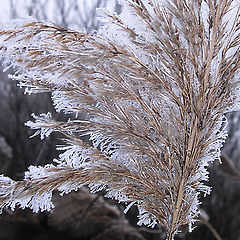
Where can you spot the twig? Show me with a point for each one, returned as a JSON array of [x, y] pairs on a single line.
[[211, 228], [88, 208], [229, 167]]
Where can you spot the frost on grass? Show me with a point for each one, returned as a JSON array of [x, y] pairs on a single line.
[[153, 86]]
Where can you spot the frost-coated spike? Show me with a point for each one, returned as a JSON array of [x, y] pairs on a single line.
[[152, 86]]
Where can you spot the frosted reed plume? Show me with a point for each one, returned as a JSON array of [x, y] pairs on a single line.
[[154, 84]]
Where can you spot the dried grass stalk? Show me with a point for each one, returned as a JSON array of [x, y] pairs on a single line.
[[154, 84]]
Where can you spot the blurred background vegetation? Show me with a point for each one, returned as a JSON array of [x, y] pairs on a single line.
[[82, 215]]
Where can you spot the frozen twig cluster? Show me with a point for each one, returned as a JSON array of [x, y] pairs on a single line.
[[154, 84]]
